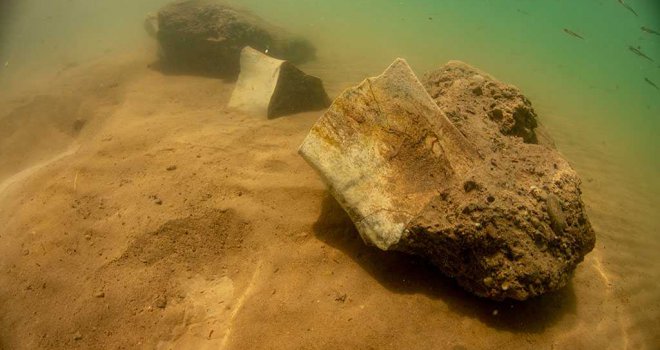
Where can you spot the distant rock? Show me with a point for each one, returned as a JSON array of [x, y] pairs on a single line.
[[204, 37], [150, 25], [273, 88], [501, 216]]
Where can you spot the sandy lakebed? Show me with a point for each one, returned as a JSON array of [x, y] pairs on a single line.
[[143, 214]]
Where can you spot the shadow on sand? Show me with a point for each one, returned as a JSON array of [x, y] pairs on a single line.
[[162, 67], [405, 274]]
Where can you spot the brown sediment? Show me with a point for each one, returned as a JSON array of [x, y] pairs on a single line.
[[238, 177]]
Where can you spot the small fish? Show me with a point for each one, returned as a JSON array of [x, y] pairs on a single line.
[[628, 7], [572, 33], [639, 53], [651, 31], [651, 83], [6, 64]]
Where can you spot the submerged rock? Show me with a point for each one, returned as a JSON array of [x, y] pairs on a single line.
[[490, 108], [384, 148], [273, 88], [150, 25], [501, 216], [205, 37]]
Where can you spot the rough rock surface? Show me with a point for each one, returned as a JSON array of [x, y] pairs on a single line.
[[470, 98], [274, 88], [515, 227], [205, 37], [501, 216]]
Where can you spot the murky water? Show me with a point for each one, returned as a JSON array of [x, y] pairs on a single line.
[[593, 93]]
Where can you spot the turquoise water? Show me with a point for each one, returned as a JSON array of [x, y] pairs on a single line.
[[595, 83], [591, 92], [597, 80]]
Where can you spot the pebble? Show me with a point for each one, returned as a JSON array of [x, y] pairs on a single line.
[[488, 281], [171, 168], [99, 295], [161, 302], [77, 336]]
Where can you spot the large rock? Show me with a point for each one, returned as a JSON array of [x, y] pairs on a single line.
[[205, 37], [272, 88], [504, 218]]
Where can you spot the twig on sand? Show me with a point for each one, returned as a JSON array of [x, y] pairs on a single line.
[[240, 301], [75, 181]]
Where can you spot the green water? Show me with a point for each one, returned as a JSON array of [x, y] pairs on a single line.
[[591, 93], [595, 83]]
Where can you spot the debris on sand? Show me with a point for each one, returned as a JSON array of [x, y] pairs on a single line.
[[479, 197], [156, 199], [161, 302], [204, 37], [272, 88]]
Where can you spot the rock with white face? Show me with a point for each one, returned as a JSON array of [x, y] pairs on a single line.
[[384, 148], [273, 88], [501, 216]]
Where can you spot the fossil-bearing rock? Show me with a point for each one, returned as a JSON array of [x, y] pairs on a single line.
[[502, 216]]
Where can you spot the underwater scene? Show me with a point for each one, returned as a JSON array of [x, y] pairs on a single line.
[[314, 174]]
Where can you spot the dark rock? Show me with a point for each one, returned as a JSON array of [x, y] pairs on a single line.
[[204, 37]]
